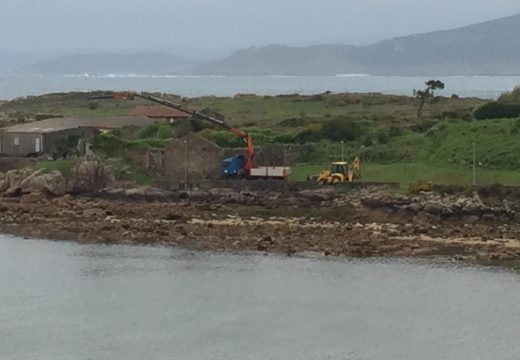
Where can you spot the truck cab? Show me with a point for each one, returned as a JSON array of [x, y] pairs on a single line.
[[233, 167]]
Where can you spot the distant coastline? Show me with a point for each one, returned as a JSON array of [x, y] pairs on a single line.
[[487, 87]]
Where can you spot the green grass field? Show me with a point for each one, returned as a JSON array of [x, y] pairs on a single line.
[[411, 173], [251, 110], [383, 130]]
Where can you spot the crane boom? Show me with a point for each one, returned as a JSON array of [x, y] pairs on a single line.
[[249, 164]]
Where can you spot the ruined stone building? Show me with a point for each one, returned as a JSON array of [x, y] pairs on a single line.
[[194, 156]]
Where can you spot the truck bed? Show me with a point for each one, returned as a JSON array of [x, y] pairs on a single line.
[[279, 172]]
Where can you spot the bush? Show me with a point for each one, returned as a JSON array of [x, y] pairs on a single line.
[[496, 110], [395, 131], [379, 136], [512, 97], [341, 130], [109, 144], [515, 127], [307, 136], [383, 136], [157, 130], [65, 147], [114, 146], [423, 126], [292, 122], [148, 131], [164, 132]]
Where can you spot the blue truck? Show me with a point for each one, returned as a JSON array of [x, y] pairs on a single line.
[[235, 168]]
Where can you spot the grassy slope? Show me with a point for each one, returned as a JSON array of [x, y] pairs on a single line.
[[450, 143], [250, 110], [387, 110], [497, 144]]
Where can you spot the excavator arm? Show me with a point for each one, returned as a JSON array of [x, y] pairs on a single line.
[[249, 164]]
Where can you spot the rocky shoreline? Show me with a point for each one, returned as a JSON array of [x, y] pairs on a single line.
[[362, 223]]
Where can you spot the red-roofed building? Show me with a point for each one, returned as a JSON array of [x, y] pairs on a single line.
[[160, 113]]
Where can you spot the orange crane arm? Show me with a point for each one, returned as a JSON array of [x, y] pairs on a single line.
[[236, 131]]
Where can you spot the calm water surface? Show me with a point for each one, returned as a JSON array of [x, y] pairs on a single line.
[[69, 301], [479, 86]]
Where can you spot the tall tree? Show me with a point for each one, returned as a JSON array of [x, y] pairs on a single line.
[[428, 93]]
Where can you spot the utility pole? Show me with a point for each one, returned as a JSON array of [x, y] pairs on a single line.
[[474, 166], [342, 151], [186, 163]]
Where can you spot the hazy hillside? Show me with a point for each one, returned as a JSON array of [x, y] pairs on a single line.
[[487, 48], [11, 61], [140, 63]]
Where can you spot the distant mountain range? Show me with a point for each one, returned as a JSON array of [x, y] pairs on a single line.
[[490, 48], [10, 62]]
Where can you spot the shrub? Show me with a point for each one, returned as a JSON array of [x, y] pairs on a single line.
[[114, 146], [148, 131], [515, 127], [379, 136], [341, 130], [164, 132], [395, 131], [292, 122], [512, 97], [496, 110], [423, 126], [65, 147], [383, 136], [307, 136], [157, 130], [108, 144]]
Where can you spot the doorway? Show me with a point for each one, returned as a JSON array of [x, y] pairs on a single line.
[[37, 145]]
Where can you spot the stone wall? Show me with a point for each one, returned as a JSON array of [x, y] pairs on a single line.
[[200, 158], [147, 159]]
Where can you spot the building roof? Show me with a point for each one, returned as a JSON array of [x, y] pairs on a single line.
[[59, 124], [158, 112]]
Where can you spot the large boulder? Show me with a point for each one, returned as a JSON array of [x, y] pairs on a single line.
[[90, 175], [26, 181], [52, 183], [4, 184], [434, 207], [12, 180], [319, 195], [196, 195], [221, 192], [149, 193]]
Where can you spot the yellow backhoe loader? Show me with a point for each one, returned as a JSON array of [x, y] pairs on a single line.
[[341, 172]]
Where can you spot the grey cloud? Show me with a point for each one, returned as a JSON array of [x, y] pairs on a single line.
[[213, 26]]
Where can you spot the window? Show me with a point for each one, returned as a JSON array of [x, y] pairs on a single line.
[[16, 141]]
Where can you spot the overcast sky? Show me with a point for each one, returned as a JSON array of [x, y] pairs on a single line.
[[224, 25]]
